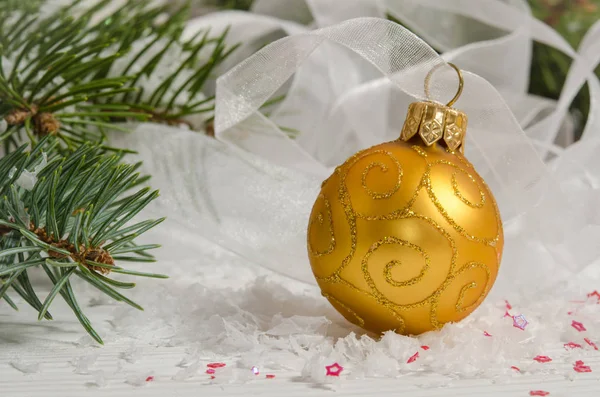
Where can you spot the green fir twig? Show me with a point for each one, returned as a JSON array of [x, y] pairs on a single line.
[[67, 77], [73, 221], [78, 77]]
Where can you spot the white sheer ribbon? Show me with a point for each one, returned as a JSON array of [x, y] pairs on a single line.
[[491, 38], [347, 88], [502, 153]]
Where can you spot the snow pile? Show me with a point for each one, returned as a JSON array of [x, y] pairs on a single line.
[[279, 325]]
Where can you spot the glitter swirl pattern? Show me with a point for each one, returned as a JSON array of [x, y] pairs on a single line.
[[409, 238], [320, 219]]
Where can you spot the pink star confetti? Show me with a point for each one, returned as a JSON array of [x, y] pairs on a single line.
[[413, 358], [508, 305], [542, 359], [213, 377], [216, 365], [269, 376], [520, 322], [572, 345], [516, 368], [581, 367], [507, 314], [334, 369], [150, 379], [485, 333], [210, 371], [589, 342], [255, 370], [538, 393], [425, 347], [594, 294], [578, 326]]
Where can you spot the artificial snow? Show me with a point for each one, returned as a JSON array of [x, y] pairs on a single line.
[[139, 379], [131, 355], [28, 179], [26, 368], [256, 319], [82, 364], [99, 378]]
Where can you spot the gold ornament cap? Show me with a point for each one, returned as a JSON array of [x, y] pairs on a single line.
[[435, 122]]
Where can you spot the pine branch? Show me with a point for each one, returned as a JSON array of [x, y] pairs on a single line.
[[167, 88], [75, 77], [69, 75], [70, 215]]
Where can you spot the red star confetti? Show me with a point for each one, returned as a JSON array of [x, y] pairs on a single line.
[[572, 345], [210, 371], [425, 347], [589, 342], [413, 358], [507, 314], [538, 393], [594, 294], [516, 368], [578, 326], [216, 365], [581, 367], [212, 377], [508, 305], [269, 376], [334, 369], [255, 370], [542, 359], [485, 333], [520, 322], [150, 379]]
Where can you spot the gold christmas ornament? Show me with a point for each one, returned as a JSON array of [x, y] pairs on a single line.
[[405, 235]]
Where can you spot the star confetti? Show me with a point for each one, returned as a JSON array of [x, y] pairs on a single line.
[[269, 376], [542, 359], [594, 294], [589, 342], [255, 370], [508, 305], [425, 347], [485, 333], [581, 367], [334, 369], [572, 345], [507, 314], [578, 326], [538, 393], [150, 379], [520, 322], [413, 358], [216, 365], [516, 368], [210, 371]]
